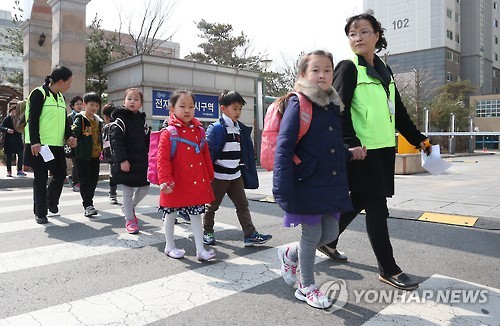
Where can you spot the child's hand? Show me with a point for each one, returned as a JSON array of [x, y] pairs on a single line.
[[358, 153], [167, 187], [125, 166]]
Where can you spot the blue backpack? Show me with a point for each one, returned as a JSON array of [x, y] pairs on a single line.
[[154, 141]]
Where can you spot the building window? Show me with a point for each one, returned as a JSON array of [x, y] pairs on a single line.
[[457, 38], [496, 39], [488, 108], [457, 58], [449, 76], [457, 18], [449, 55], [496, 56], [494, 74], [495, 22], [449, 34], [449, 13], [495, 5], [458, 77]]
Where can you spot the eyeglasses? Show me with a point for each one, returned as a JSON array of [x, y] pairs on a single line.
[[362, 35]]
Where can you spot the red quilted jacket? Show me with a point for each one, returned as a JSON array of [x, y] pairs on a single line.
[[191, 172]]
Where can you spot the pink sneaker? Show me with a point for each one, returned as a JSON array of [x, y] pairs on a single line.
[[132, 227], [205, 255]]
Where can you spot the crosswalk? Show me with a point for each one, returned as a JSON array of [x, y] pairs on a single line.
[[81, 271]]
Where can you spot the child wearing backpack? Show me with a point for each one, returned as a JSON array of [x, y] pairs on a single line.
[[232, 153], [87, 128], [107, 110], [184, 174], [313, 192], [129, 137]]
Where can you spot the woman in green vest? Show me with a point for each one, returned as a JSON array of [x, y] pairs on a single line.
[[373, 111], [47, 125]]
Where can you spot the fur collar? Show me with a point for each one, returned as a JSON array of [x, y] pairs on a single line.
[[317, 95]]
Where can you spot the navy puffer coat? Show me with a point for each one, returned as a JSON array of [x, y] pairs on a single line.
[[318, 185]]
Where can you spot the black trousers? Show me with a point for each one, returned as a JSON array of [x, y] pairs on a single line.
[[8, 161], [88, 175], [377, 214], [74, 173], [44, 195]]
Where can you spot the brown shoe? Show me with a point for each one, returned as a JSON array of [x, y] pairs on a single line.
[[333, 254]]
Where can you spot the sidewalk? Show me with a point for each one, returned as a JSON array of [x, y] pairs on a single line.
[[467, 194]]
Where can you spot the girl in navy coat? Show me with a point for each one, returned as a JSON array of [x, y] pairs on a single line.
[[315, 191]]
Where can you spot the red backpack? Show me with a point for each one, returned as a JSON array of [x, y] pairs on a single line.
[[272, 123], [154, 141]]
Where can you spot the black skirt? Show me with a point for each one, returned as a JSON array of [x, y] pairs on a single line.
[[375, 174]]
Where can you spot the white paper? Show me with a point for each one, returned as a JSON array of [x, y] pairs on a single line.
[[434, 163], [46, 153]]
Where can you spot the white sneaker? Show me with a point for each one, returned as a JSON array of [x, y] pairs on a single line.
[[312, 296], [205, 255], [89, 211], [288, 267], [175, 253]]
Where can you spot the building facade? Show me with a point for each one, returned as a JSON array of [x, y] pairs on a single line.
[[449, 40]]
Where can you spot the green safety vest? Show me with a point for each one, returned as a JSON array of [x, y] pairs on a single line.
[[372, 120], [52, 119]]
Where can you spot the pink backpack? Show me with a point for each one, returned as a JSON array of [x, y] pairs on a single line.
[[272, 123], [154, 141]]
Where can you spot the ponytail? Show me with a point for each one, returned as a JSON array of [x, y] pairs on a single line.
[[60, 73]]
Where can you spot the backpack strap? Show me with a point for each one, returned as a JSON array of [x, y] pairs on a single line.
[[305, 115], [174, 139]]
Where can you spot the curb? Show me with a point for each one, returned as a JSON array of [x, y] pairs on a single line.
[[483, 223]]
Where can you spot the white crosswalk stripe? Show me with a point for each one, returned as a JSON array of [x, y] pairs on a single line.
[[161, 298]]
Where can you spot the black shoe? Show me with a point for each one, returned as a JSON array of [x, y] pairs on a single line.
[[333, 254], [53, 209], [402, 281], [41, 220]]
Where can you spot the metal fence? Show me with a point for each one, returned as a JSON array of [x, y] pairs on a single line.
[[463, 142]]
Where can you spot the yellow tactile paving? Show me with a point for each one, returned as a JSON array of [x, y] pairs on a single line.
[[448, 219]]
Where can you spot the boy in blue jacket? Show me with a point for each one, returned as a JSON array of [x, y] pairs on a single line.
[[233, 157]]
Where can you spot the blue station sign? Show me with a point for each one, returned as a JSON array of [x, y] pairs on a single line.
[[206, 106]]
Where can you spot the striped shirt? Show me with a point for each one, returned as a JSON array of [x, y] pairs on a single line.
[[227, 166]]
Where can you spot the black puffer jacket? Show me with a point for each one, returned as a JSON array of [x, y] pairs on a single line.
[[129, 138]]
